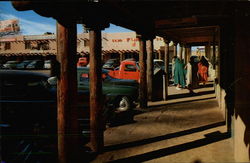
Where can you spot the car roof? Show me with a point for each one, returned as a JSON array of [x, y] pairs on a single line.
[[155, 60], [21, 75], [12, 61]]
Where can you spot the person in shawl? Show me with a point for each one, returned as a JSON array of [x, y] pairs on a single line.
[[203, 70], [191, 75], [173, 65], [179, 74]]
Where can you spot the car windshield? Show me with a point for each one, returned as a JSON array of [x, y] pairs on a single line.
[[111, 61], [159, 63], [33, 62], [10, 62]]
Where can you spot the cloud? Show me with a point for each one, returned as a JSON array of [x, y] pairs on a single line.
[[30, 27]]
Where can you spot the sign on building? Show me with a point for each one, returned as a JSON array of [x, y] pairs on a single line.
[[9, 27]]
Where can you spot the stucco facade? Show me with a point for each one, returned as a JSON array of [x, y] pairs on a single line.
[[44, 45]]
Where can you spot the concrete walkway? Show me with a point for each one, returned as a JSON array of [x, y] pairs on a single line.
[[187, 129]]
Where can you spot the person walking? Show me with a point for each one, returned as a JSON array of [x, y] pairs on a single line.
[[173, 66], [191, 75], [203, 70], [179, 74]]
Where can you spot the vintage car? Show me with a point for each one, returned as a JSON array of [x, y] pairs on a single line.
[[111, 64], [27, 104], [35, 64], [121, 94], [10, 64], [23, 64], [82, 62], [28, 113], [47, 64]]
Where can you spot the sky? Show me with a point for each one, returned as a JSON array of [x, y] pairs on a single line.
[[33, 24]]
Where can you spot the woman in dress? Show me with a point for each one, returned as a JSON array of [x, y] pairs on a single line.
[[179, 74], [203, 70]]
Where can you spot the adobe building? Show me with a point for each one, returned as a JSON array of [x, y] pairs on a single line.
[[114, 45], [222, 24]]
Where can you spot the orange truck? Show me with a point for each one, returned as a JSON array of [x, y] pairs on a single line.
[[128, 69]]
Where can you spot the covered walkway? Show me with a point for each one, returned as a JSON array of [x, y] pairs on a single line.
[[186, 129]]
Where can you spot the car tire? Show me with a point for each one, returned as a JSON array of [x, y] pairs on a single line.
[[123, 104]]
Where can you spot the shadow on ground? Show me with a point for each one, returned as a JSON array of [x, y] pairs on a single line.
[[209, 138], [184, 95], [163, 137]]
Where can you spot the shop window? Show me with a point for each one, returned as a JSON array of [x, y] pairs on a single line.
[[7, 46]]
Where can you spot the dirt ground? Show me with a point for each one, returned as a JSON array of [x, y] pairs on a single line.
[[188, 129]]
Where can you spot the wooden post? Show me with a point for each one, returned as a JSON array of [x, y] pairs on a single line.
[[166, 60], [54, 66], [175, 49], [143, 68], [96, 97], [121, 56], [150, 65], [186, 54], [68, 130], [180, 52], [159, 54], [214, 52], [208, 49]]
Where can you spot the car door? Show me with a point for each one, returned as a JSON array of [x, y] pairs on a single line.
[[131, 72]]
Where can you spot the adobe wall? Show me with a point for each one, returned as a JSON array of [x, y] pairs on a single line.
[[241, 130]]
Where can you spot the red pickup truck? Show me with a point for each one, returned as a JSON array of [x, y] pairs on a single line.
[[128, 69]]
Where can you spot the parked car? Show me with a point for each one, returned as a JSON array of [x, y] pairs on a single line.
[[82, 62], [35, 64], [23, 64], [28, 116], [47, 64], [161, 64], [128, 69], [10, 64], [111, 64], [121, 94]]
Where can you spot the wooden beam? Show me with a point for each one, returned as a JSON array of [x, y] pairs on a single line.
[[22, 5], [96, 97], [200, 39], [68, 130], [143, 77], [168, 23]]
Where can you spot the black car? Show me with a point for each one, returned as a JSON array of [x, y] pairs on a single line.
[[28, 117], [23, 64], [35, 64], [10, 64]]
